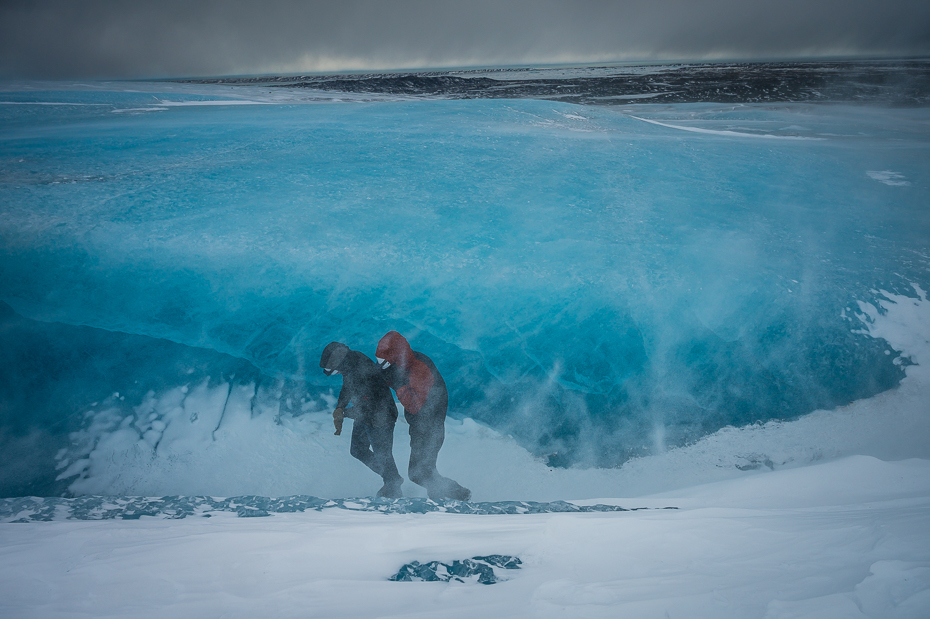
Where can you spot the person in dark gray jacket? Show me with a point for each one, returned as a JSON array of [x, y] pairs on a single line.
[[372, 409]]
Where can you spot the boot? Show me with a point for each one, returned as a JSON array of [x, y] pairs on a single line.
[[459, 492], [441, 488], [391, 489]]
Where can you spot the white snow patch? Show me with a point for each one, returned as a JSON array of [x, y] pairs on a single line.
[[166, 103], [888, 177], [53, 103], [739, 134], [648, 95], [134, 110]]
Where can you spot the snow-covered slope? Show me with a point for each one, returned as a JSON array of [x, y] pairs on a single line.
[[841, 539]]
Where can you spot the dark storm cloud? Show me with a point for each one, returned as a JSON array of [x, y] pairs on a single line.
[[109, 38]]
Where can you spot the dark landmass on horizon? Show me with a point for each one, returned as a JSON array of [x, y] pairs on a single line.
[[898, 82]]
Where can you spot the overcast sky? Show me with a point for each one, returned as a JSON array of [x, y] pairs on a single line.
[[175, 38]]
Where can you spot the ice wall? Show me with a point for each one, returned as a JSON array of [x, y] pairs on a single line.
[[598, 286], [241, 436]]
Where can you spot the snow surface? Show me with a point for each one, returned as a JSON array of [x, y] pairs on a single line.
[[841, 539]]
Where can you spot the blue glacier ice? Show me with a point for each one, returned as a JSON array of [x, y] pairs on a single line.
[[598, 282], [476, 569], [47, 509]]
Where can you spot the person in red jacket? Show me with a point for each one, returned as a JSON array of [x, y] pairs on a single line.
[[420, 388]]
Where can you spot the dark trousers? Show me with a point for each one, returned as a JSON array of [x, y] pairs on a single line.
[[374, 447], [426, 437], [427, 433]]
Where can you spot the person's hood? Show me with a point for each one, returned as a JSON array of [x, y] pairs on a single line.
[[393, 349], [333, 358]]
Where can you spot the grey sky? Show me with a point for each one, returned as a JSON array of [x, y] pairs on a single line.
[[173, 38]]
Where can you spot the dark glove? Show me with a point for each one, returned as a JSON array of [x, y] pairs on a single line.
[[338, 416]]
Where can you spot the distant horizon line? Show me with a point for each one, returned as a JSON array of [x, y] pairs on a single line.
[[514, 67]]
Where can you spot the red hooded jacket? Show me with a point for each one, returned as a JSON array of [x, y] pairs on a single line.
[[413, 379]]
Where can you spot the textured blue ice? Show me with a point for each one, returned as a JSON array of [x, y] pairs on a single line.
[[476, 569], [36, 509], [596, 285]]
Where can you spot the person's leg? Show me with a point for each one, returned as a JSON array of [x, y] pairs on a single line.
[[360, 446], [425, 441], [427, 434], [382, 442]]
